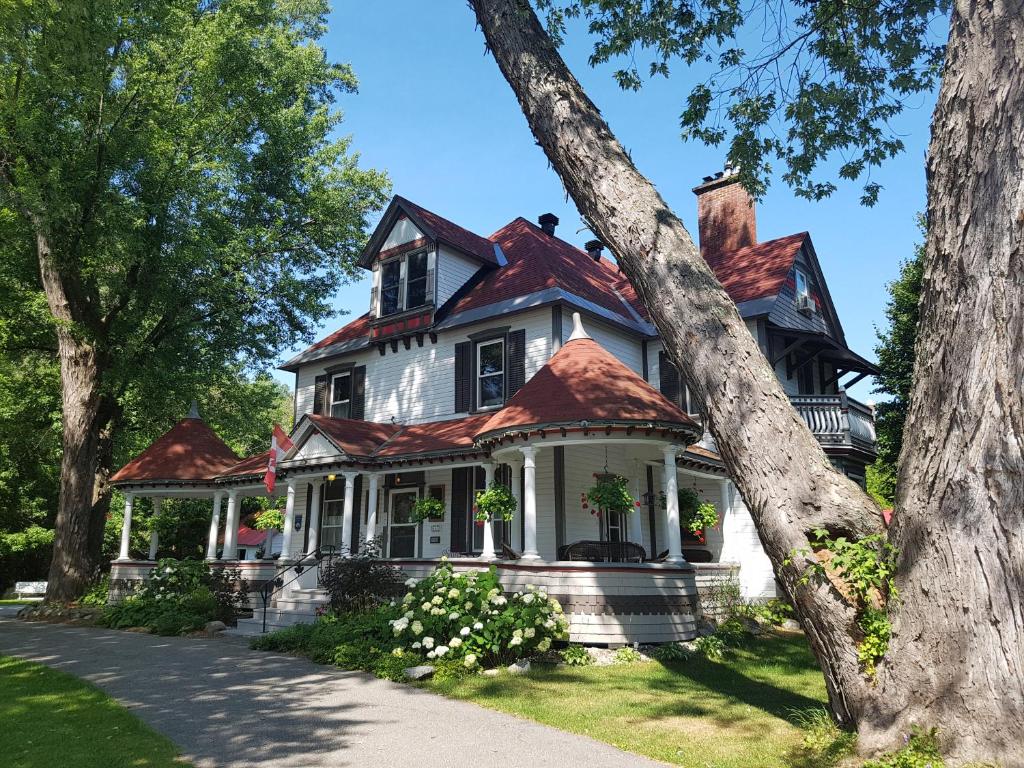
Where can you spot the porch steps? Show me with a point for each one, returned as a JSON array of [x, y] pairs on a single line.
[[297, 606]]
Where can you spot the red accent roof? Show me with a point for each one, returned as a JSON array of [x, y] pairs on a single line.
[[452, 233], [537, 261], [357, 329], [190, 450], [583, 382], [756, 271], [250, 537], [355, 438], [434, 436], [253, 465]]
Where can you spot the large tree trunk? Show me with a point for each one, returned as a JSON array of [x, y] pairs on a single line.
[[73, 564], [956, 659], [961, 564], [784, 477]]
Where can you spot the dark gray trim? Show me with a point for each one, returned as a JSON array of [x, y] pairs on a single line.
[[322, 353], [489, 334], [559, 473], [340, 367], [556, 328], [643, 360]]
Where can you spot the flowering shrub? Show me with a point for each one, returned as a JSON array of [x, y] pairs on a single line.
[[466, 616], [496, 503], [609, 494], [180, 596]]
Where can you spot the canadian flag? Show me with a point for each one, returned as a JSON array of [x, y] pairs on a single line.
[[280, 444]]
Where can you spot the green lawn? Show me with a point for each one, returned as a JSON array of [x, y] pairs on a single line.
[[740, 713], [50, 719], [15, 601]]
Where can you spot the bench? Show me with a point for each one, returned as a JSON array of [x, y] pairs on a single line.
[[33, 589]]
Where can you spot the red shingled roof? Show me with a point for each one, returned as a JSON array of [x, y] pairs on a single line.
[[452, 233], [434, 436], [190, 450], [537, 261], [250, 537], [252, 465], [582, 381], [357, 329], [756, 271], [355, 438]]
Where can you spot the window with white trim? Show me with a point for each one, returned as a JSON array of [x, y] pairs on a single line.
[[341, 395], [490, 373], [390, 286]]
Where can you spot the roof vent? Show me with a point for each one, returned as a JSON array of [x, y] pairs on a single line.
[[578, 332], [594, 248], [548, 222], [193, 411]]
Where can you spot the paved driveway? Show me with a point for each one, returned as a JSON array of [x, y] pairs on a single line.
[[225, 705]]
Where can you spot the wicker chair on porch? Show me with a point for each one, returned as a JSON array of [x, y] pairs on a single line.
[[603, 552]]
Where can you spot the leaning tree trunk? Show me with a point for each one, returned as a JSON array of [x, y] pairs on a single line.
[[73, 566], [956, 659], [782, 473]]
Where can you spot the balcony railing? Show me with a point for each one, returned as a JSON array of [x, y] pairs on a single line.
[[838, 421]]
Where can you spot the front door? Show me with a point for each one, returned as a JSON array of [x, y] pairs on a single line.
[[402, 531]]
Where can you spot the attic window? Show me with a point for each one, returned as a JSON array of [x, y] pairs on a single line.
[[803, 288], [406, 282]]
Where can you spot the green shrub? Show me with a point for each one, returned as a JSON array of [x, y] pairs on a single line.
[[774, 612], [576, 656], [922, 751], [670, 652], [25, 555], [733, 633], [824, 743], [180, 596], [98, 593], [712, 647], [467, 615], [627, 655], [360, 582], [293, 639]]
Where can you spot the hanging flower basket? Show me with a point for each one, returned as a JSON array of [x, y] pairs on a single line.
[[427, 508], [496, 503], [610, 493], [695, 516]]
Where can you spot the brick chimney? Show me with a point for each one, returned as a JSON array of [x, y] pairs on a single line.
[[725, 214]]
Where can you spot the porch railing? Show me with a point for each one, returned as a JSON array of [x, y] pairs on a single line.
[[838, 421]]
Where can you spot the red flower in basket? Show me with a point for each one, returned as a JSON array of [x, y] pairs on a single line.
[[637, 504], [479, 523]]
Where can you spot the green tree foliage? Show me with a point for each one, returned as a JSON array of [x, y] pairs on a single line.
[[895, 350], [801, 82], [172, 178]]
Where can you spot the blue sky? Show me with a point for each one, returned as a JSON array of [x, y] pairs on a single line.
[[435, 113]]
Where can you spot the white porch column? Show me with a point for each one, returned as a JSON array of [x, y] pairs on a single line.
[[154, 536], [634, 530], [530, 503], [289, 521], [126, 526], [314, 517], [517, 482], [346, 520], [211, 541], [231, 528], [488, 550], [371, 507], [672, 532]]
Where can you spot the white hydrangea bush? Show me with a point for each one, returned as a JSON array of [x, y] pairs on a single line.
[[466, 615]]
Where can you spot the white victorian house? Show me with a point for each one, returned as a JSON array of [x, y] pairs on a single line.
[[521, 358]]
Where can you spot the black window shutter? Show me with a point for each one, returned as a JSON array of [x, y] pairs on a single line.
[[358, 409], [463, 376], [669, 378], [320, 395], [460, 509], [516, 375]]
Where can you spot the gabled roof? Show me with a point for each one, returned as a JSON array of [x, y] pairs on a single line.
[[433, 226], [584, 382], [756, 271], [434, 437], [188, 451], [247, 467], [354, 437]]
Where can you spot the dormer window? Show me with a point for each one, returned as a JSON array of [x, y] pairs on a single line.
[[803, 288], [341, 395], [406, 283], [490, 366]]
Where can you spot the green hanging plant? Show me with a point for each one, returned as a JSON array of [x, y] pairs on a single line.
[[609, 494], [695, 516], [427, 508], [496, 503]]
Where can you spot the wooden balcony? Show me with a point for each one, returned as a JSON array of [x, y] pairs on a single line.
[[841, 424]]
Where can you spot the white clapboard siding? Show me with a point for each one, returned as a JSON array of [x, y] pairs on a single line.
[[453, 271]]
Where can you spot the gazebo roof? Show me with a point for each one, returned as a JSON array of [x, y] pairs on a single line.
[[584, 382], [188, 451]]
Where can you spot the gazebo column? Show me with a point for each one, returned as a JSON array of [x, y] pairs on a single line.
[[231, 528], [672, 532], [517, 482], [314, 516], [371, 507], [488, 549], [126, 526], [530, 503], [289, 520], [154, 535], [211, 541], [346, 520]]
